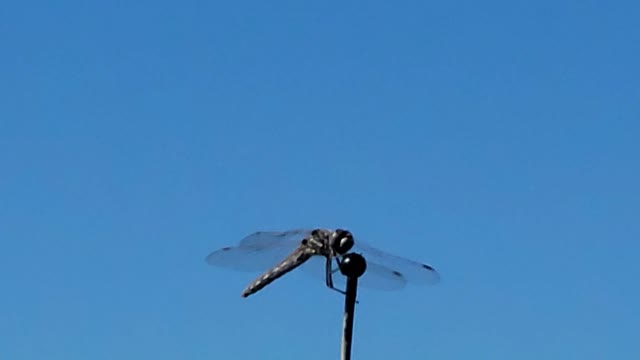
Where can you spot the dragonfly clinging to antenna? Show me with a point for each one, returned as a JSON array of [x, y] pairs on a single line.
[[318, 251]]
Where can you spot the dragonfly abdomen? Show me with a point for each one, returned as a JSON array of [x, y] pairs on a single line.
[[292, 261]]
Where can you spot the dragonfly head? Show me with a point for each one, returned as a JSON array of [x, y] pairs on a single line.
[[341, 241]]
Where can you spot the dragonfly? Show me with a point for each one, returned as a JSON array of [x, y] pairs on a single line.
[[318, 252]]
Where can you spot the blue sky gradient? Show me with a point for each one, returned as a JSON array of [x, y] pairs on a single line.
[[496, 141]]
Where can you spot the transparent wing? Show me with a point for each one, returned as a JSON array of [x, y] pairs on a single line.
[[385, 271], [267, 239], [414, 272], [376, 277], [258, 251]]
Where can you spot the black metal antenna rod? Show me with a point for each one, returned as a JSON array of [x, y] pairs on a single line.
[[352, 266]]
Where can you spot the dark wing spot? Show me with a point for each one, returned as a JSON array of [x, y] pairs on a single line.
[[428, 267], [396, 273]]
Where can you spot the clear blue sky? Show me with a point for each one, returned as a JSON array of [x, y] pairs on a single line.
[[497, 141]]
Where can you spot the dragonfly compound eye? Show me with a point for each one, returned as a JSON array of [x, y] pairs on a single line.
[[342, 241]]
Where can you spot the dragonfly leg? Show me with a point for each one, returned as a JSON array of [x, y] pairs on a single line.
[[329, 272], [329, 278]]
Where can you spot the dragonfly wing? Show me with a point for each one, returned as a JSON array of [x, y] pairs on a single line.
[[380, 277], [267, 239], [376, 277], [247, 259], [257, 252], [412, 271]]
